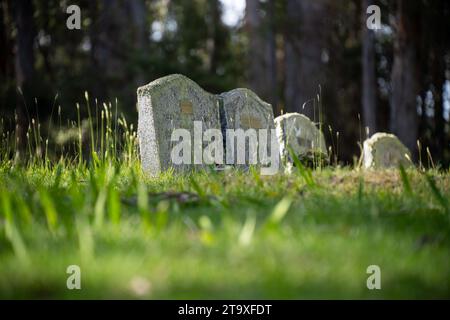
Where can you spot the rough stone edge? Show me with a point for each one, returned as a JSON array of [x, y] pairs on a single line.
[[279, 120], [368, 145], [143, 92], [246, 91], [165, 81]]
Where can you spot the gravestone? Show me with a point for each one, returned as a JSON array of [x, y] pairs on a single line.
[[385, 150], [244, 110], [239, 117], [168, 103], [298, 132]]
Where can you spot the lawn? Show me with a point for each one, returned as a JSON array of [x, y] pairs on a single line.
[[231, 234]]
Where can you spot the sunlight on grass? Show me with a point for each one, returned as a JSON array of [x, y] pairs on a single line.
[[233, 234]]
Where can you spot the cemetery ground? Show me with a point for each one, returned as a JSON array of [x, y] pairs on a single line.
[[230, 234], [212, 234]]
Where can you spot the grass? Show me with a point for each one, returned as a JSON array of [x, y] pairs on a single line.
[[135, 237], [207, 234]]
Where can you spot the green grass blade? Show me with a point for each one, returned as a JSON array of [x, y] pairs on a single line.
[[11, 231], [361, 190], [405, 181], [99, 209], [304, 172], [436, 192], [246, 234], [197, 188], [279, 211], [58, 175], [49, 210], [114, 205]]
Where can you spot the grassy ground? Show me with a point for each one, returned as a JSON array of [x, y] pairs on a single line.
[[222, 235], [234, 234]]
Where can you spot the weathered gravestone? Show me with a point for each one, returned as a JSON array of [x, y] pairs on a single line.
[[251, 122], [166, 104], [175, 102], [385, 150], [298, 132]]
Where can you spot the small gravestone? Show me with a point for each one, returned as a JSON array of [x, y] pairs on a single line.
[[299, 133], [244, 112], [166, 104], [385, 150]]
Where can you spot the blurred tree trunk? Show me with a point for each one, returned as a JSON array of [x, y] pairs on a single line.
[[404, 76], [438, 24], [139, 32], [46, 51], [4, 43], [305, 54], [119, 33], [22, 12], [262, 50], [369, 85], [214, 36], [434, 45], [438, 73]]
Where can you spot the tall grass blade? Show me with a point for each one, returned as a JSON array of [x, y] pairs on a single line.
[[142, 201], [99, 209], [246, 235], [279, 211], [49, 210], [197, 188], [436, 192], [114, 205], [304, 172], [405, 181], [361, 190], [11, 231]]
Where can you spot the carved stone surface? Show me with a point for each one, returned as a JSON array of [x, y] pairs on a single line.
[[385, 150], [243, 109], [298, 132], [169, 103], [176, 102]]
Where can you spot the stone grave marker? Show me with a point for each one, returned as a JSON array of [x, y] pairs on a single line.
[[239, 117], [168, 103], [385, 150], [243, 109], [301, 134]]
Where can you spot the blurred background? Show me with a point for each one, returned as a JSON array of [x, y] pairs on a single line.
[[308, 56]]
